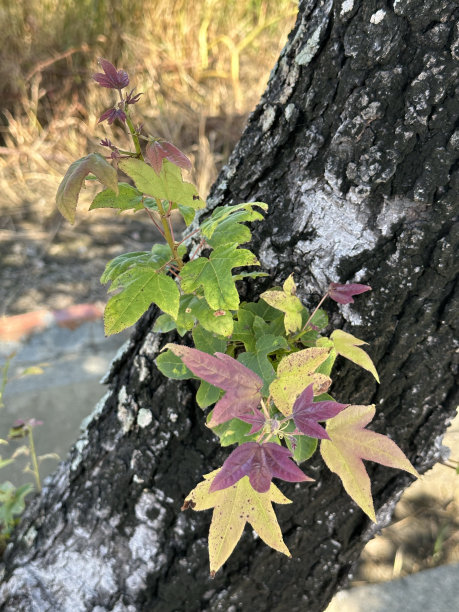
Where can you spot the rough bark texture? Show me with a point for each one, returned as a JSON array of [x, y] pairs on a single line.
[[354, 148]]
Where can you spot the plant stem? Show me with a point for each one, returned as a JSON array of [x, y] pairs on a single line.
[[33, 454], [312, 315]]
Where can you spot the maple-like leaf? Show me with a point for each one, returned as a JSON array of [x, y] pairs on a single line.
[[294, 373], [306, 413], [224, 226], [261, 463], [347, 345], [111, 77], [343, 293], [233, 508], [349, 443], [213, 274], [242, 386], [287, 302]]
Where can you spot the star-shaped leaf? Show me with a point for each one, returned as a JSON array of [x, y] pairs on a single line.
[[261, 463], [242, 386], [213, 274], [306, 413], [287, 302], [294, 373], [233, 508], [349, 443], [347, 346]]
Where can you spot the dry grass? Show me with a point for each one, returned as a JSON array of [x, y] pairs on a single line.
[[201, 71]]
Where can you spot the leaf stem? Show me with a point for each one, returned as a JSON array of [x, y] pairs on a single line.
[[33, 454]]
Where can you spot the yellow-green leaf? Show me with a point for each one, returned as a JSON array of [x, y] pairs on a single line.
[[349, 443], [294, 373], [347, 346], [70, 187], [233, 507], [287, 302], [167, 185]]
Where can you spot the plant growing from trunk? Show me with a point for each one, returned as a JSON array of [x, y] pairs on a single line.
[[264, 366]]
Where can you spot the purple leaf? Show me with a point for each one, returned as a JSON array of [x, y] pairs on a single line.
[[242, 386], [111, 114], [157, 150], [306, 413], [111, 77], [257, 420], [343, 293], [261, 463]]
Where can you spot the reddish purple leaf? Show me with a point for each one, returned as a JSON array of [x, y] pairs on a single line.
[[343, 293], [111, 114], [242, 386], [261, 463], [111, 77], [306, 413], [256, 419], [158, 150]]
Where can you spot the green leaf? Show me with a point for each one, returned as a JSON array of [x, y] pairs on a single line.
[[304, 449], [214, 276], [217, 321], [243, 330], [233, 432], [164, 323], [167, 185], [127, 197], [207, 394], [172, 366], [12, 503], [123, 262], [224, 226], [320, 319], [70, 187], [258, 360], [347, 346], [187, 213], [140, 287], [327, 366], [242, 275], [262, 309], [207, 341], [287, 302]]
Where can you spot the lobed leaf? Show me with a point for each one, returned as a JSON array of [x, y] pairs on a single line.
[[294, 373], [213, 274], [347, 346], [242, 386], [140, 286], [287, 302], [233, 508], [167, 185], [349, 443], [127, 198], [224, 226]]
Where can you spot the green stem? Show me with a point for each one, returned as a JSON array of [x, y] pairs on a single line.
[[298, 336], [33, 454]]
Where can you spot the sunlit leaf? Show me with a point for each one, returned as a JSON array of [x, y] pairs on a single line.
[[349, 443], [233, 507], [347, 346]]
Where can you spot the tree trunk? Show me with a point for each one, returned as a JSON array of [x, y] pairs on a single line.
[[354, 148]]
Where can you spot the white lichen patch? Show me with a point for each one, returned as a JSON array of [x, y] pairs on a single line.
[[289, 110], [347, 6], [267, 118], [144, 418], [126, 410], [267, 256], [378, 16], [308, 52]]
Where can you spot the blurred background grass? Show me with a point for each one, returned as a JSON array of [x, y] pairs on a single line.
[[201, 66]]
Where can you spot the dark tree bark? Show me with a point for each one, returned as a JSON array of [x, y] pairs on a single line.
[[354, 147]]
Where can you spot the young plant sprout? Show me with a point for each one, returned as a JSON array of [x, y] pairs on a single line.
[[264, 366]]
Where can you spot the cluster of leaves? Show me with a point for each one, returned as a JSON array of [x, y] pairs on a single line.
[[264, 366]]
